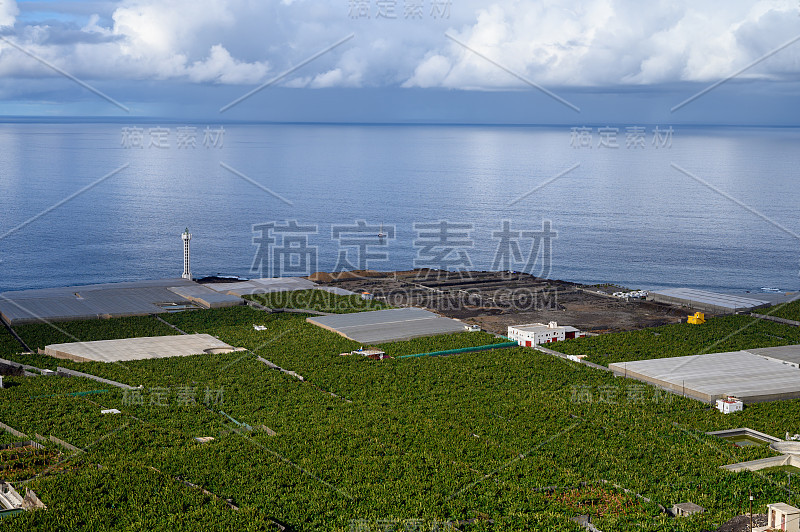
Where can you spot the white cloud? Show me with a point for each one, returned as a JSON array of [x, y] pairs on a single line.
[[554, 43], [8, 12], [220, 67], [146, 40], [431, 72], [610, 42]]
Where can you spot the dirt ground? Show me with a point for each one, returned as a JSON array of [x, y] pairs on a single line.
[[741, 523], [495, 300]]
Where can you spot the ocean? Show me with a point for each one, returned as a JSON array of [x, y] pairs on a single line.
[[705, 207]]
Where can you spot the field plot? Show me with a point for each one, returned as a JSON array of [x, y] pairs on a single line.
[[92, 301], [508, 439], [320, 300], [39, 335], [126, 349], [743, 374], [717, 335], [495, 300], [388, 325], [789, 311]]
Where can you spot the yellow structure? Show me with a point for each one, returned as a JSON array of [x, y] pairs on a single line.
[[697, 319]]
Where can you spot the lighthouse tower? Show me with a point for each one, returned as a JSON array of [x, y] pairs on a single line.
[[187, 271]]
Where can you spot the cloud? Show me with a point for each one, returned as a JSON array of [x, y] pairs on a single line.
[[8, 13], [596, 43], [145, 40], [612, 42], [220, 67], [431, 72]]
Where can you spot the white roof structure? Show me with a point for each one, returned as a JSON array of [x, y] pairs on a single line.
[[785, 508], [390, 325], [743, 374], [136, 298], [703, 298], [541, 327], [268, 285], [264, 285], [138, 348]]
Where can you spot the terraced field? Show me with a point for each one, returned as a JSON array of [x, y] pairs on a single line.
[[507, 439]]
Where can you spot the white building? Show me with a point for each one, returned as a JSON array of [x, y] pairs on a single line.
[[539, 333], [781, 516], [729, 404]]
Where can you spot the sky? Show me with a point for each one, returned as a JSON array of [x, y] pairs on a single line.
[[398, 61]]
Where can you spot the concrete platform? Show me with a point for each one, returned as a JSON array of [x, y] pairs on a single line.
[[335, 290], [91, 301], [206, 297], [750, 377], [138, 348], [391, 325], [264, 285], [789, 354], [707, 301]]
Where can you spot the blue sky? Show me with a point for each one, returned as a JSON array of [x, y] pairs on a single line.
[[454, 61]]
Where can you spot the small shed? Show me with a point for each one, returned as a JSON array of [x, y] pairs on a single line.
[[369, 353], [781, 516], [685, 509]]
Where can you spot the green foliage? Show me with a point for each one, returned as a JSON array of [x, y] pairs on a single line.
[[439, 342], [38, 335], [431, 439], [319, 300], [130, 497], [726, 333], [8, 344], [789, 311]]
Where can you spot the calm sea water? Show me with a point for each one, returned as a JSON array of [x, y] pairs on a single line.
[[624, 215]]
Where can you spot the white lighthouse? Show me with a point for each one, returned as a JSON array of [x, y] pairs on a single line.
[[187, 271]]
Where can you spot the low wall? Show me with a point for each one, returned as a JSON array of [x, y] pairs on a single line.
[[764, 463], [72, 373], [744, 431], [776, 319]]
